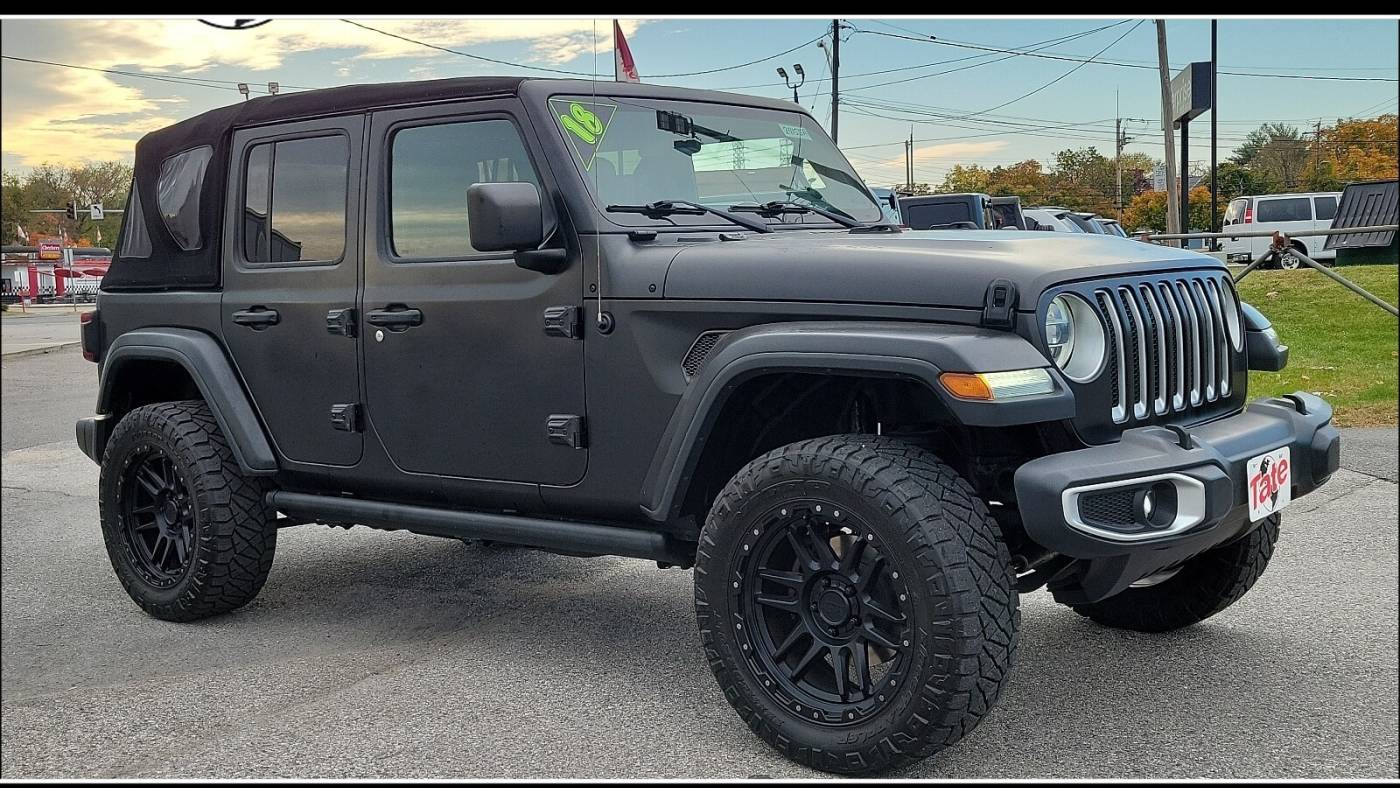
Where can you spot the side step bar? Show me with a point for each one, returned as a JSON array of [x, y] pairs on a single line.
[[560, 535]]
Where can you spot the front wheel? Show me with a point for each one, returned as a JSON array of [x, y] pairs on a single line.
[[856, 602], [1193, 592]]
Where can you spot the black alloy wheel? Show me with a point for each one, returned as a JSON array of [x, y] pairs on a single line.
[[831, 636], [158, 514]]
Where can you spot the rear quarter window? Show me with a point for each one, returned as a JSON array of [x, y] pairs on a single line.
[[177, 195]]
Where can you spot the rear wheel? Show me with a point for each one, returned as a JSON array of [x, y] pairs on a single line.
[[855, 602], [1288, 260], [1192, 592], [188, 534]]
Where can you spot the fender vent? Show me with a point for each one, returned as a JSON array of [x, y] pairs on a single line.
[[695, 357]]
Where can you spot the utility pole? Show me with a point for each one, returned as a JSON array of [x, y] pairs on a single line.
[[909, 161], [835, 76], [1168, 136]]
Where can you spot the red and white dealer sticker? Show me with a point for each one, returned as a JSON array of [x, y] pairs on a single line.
[[1270, 483]]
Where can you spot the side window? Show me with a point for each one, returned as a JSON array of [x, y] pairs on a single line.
[[1288, 209], [431, 168], [294, 200], [1326, 208], [177, 195], [136, 241]]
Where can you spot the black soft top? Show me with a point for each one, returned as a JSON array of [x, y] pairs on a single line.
[[166, 265]]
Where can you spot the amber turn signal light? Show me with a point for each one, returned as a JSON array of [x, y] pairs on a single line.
[[965, 385]]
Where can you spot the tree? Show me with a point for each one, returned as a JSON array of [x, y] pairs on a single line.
[[49, 186], [1350, 151], [972, 178], [1149, 210], [1274, 154]]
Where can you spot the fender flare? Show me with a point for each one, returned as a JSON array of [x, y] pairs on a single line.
[[202, 357], [917, 351]]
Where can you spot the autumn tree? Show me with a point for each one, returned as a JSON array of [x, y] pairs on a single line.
[[1149, 210], [1350, 151]]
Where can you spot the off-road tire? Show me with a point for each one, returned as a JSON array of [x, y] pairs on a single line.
[[234, 535], [965, 611], [1205, 585]]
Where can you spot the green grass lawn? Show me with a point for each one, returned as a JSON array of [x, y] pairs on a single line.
[[1341, 346]]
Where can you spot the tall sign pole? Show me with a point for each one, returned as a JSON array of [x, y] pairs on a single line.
[[1214, 111], [835, 76], [1168, 135]]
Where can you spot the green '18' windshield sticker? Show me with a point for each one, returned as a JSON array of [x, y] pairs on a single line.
[[584, 123]]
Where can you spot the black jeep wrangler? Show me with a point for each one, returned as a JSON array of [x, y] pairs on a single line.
[[619, 319]]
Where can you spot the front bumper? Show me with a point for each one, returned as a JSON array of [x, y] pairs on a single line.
[[1207, 462]]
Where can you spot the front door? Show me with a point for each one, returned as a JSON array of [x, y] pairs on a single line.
[[461, 378], [291, 259]]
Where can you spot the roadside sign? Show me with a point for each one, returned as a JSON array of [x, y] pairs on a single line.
[[1190, 90], [50, 249], [95, 211]]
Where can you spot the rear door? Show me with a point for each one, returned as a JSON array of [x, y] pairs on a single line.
[[467, 381], [291, 260]]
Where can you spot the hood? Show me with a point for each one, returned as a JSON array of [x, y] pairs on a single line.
[[950, 268]]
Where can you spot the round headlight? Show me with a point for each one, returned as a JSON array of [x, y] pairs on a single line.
[[1075, 338]]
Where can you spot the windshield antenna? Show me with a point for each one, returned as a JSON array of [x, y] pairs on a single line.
[[603, 320]]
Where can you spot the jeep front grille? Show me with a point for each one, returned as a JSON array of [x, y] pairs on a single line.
[[1169, 348]]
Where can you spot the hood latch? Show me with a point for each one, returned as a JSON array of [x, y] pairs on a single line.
[[999, 305]]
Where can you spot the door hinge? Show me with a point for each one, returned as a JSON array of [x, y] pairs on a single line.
[[563, 321], [341, 321], [346, 417], [565, 429], [999, 305]]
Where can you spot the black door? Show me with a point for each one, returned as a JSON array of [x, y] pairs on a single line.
[[460, 376], [291, 259]]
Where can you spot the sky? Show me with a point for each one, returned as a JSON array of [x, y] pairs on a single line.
[[965, 105]]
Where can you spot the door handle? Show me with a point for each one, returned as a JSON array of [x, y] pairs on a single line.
[[256, 318], [395, 317]]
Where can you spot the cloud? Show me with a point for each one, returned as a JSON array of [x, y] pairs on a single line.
[[73, 116]]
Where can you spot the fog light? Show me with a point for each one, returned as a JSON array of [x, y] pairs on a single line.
[[1155, 506]]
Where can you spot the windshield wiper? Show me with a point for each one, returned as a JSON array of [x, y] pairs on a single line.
[[664, 208], [775, 208]]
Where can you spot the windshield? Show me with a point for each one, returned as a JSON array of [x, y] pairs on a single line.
[[634, 151]]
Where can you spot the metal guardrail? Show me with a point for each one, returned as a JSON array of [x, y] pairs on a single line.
[[1378, 228]]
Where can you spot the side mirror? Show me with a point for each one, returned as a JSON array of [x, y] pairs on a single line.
[[505, 217]]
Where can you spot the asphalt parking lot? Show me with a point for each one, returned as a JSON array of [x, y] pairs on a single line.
[[372, 654]]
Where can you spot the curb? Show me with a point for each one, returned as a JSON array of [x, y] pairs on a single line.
[[38, 351]]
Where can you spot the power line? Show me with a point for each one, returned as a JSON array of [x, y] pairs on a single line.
[[202, 82], [1060, 77], [579, 73], [897, 69], [1011, 54], [1122, 64]]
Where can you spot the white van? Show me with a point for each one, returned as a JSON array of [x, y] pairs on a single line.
[[1294, 215]]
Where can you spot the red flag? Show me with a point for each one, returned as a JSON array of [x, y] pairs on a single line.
[[626, 69]]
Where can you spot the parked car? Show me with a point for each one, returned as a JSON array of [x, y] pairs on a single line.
[[1006, 213], [947, 211], [1053, 219], [534, 311], [1294, 215], [889, 204], [1109, 226]]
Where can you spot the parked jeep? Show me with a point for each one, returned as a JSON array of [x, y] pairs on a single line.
[[621, 319]]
